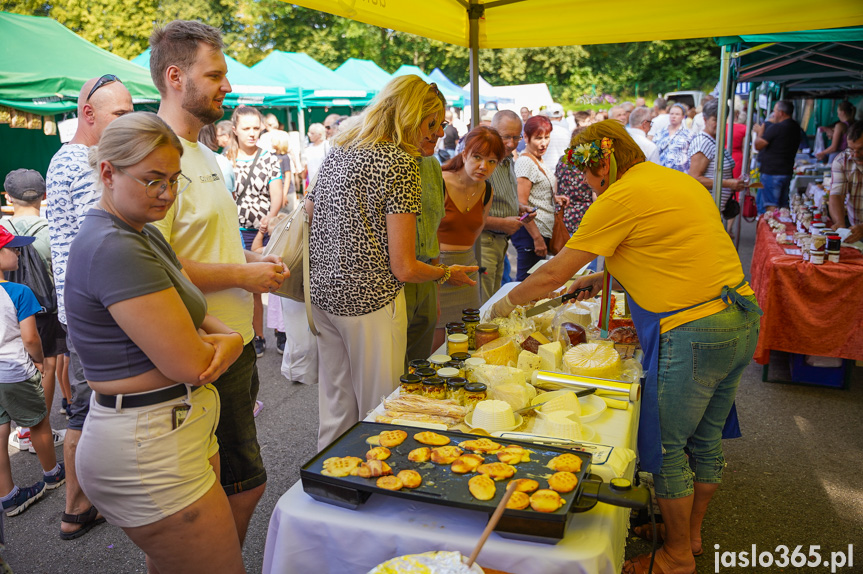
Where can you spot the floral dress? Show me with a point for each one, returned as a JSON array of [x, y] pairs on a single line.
[[673, 149], [570, 182]]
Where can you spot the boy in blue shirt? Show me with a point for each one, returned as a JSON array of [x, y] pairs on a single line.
[[21, 396]]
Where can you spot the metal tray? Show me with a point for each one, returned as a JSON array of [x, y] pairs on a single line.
[[440, 485]]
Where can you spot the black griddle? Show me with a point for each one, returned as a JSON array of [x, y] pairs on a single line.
[[441, 486]]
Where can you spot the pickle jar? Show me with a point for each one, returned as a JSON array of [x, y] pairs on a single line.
[[455, 389], [426, 373], [418, 364], [470, 323], [447, 373], [461, 357], [474, 393], [438, 361], [456, 343], [485, 333], [410, 384], [434, 388], [470, 365], [454, 327], [457, 365]]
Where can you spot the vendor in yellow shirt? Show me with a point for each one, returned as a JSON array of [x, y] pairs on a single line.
[[697, 320]]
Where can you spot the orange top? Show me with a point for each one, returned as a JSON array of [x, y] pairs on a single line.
[[462, 228]]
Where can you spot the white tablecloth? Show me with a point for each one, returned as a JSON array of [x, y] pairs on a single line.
[[306, 536]]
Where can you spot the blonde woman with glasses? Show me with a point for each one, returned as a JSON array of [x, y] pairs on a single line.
[[148, 458], [362, 245]]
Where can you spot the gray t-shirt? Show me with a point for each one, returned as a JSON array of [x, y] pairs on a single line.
[[109, 262]]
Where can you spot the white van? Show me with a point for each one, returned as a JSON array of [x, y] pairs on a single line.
[[692, 98]]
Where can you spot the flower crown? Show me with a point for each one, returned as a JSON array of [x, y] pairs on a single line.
[[589, 154]]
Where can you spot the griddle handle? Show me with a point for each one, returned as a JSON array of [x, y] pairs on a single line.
[[636, 497]]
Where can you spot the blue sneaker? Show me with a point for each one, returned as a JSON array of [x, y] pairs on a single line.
[[52, 481], [25, 497]]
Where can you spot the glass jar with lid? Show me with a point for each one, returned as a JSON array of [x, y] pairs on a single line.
[[434, 388], [457, 365], [437, 361], [485, 333], [410, 384], [454, 327], [470, 323], [456, 343], [470, 365], [460, 357], [418, 364], [455, 389], [426, 373], [474, 393], [446, 373]]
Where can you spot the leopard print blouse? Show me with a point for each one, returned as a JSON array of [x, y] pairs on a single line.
[[356, 189]]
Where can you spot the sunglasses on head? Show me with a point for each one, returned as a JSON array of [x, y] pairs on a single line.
[[104, 80]]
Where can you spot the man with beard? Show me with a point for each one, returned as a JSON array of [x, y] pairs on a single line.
[[188, 68], [71, 193]]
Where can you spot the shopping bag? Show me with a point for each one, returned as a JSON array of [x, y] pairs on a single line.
[[559, 233]]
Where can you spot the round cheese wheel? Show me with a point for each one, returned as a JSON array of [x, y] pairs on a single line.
[[599, 360]]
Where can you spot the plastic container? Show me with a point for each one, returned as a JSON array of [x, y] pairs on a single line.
[[801, 372]]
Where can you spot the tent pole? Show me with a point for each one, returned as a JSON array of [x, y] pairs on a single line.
[[724, 73], [474, 13], [301, 120], [747, 146]]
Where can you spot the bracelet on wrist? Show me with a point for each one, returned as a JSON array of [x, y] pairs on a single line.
[[446, 274]]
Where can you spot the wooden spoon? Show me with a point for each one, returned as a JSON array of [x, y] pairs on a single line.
[[492, 522]]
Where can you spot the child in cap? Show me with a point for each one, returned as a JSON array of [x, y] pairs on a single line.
[[21, 396]]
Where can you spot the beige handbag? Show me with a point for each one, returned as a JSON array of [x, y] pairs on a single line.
[[289, 239]]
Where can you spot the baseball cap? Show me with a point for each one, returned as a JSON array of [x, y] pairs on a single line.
[[9, 240], [555, 110], [25, 184]]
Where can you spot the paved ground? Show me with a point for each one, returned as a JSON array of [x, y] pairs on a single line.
[[792, 479]]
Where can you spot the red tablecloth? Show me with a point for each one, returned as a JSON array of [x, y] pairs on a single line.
[[808, 309]]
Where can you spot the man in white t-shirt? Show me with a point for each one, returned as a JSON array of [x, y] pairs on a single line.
[[639, 125], [188, 67], [559, 140], [660, 120], [316, 151]]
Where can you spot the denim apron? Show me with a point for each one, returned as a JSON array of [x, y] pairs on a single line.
[[647, 327]]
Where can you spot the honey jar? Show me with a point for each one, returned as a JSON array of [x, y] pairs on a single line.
[[456, 343]]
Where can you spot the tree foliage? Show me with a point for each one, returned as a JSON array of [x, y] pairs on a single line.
[[253, 28]]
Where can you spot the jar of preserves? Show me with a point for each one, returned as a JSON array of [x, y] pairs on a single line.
[[454, 327], [446, 373], [470, 365], [458, 366], [455, 389], [456, 343], [410, 384], [434, 388], [485, 333], [470, 323], [438, 361], [426, 373], [460, 356], [474, 393], [418, 364], [470, 311]]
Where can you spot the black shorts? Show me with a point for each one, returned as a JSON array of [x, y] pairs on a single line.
[[52, 334]]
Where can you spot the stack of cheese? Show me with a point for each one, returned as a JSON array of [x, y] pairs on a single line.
[[548, 357], [598, 359]]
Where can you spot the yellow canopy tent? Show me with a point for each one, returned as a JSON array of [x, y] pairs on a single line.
[[534, 23]]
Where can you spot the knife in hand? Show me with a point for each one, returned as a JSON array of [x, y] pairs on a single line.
[[556, 302]]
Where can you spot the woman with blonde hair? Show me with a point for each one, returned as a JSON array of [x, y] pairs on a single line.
[[362, 245], [696, 317], [148, 458]]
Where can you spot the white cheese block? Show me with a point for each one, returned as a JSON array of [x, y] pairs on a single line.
[[528, 361], [551, 356]]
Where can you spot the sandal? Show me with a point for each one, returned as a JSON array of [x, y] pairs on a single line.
[[645, 532], [641, 565], [87, 520]]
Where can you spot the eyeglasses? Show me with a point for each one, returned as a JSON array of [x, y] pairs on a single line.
[[517, 138], [328, 128], [104, 80], [157, 187], [444, 125]]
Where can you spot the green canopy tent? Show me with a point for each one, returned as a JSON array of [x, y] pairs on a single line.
[[453, 98], [364, 73], [44, 66], [249, 87], [319, 85]]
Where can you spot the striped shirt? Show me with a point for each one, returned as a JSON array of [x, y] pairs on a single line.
[[503, 181], [847, 181], [705, 144]]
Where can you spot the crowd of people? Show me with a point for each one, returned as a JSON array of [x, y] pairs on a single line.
[[167, 215]]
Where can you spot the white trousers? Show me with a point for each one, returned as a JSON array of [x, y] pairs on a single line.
[[300, 361], [361, 360]]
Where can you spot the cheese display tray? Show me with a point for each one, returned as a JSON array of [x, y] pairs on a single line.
[[442, 486]]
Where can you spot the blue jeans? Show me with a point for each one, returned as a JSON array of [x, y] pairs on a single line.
[[774, 193], [527, 257], [700, 364]]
